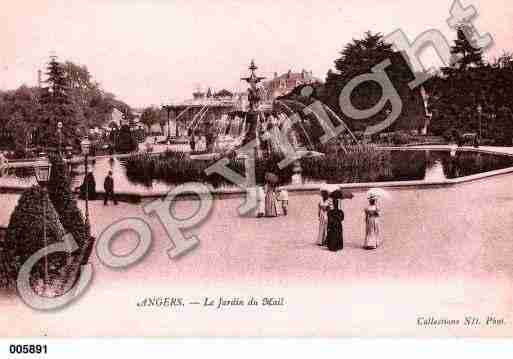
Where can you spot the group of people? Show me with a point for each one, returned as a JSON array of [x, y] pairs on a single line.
[[88, 188], [330, 217], [270, 201]]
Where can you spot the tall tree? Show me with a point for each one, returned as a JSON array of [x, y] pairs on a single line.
[[56, 106], [19, 110], [465, 51], [150, 116], [462, 88], [359, 57]]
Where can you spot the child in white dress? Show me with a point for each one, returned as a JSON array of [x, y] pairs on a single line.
[[283, 198]]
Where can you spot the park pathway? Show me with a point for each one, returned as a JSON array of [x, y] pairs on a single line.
[[447, 252]]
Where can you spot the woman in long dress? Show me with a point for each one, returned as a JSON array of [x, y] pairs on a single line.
[[372, 235], [88, 187], [335, 237], [270, 201], [324, 206]]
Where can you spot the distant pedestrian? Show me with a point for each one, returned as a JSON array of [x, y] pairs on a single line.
[[108, 186], [372, 235], [88, 187], [283, 198], [192, 142], [260, 197], [270, 200], [335, 233], [3, 164], [322, 214]]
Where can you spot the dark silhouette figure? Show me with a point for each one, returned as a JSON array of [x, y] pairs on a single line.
[[193, 143], [108, 186], [88, 187], [334, 237]]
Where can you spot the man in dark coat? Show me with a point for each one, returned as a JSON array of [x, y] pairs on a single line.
[[108, 186]]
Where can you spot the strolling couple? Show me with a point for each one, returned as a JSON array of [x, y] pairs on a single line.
[[88, 188], [331, 217], [268, 199]]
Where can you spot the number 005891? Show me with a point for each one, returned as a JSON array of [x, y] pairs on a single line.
[[28, 349]]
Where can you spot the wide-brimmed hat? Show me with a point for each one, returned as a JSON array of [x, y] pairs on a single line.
[[325, 188], [341, 194], [378, 193]]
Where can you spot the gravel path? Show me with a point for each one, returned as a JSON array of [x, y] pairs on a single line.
[[446, 252]]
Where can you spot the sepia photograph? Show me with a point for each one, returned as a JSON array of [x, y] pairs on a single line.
[[232, 168]]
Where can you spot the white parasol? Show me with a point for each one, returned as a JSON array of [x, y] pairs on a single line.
[[327, 188], [378, 193]]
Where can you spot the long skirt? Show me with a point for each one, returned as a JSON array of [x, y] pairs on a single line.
[[270, 205], [261, 207], [335, 237], [372, 236], [323, 230]]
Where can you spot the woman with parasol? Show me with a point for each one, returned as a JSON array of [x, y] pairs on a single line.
[[334, 236], [323, 208], [270, 194], [372, 215], [88, 187]]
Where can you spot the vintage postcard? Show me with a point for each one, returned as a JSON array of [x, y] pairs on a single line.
[[256, 168]]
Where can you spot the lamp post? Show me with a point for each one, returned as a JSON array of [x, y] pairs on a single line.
[[480, 113], [42, 170], [59, 130], [168, 109], [85, 146]]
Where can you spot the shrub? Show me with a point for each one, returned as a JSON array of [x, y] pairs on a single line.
[[400, 138], [349, 164], [178, 168], [448, 135], [59, 190], [24, 235]]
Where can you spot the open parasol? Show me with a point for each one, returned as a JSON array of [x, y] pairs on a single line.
[[378, 193], [341, 194]]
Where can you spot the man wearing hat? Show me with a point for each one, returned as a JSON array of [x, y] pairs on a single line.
[[108, 186]]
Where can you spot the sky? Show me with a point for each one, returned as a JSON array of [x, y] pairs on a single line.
[[151, 52]]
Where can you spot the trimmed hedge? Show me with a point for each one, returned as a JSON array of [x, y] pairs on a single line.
[[24, 236], [59, 190]]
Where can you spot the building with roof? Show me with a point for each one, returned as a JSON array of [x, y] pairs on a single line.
[[281, 85]]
